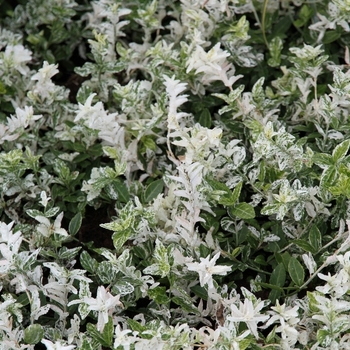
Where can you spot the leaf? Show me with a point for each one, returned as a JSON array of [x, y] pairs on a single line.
[[328, 177], [68, 254], [200, 292], [119, 238], [283, 258], [123, 288], [323, 159], [275, 48], [118, 191], [33, 213], [340, 151], [330, 36], [87, 262], [149, 143], [75, 224], [296, 271], [86, 344], [270, 209], [277, 279], [313, 303], [106, 272], [205, 118], [138, 327], [324, 337], [106, 337], [315, 238], [87, 69], [242, 211], [158, 294], [304, 245], [278, 275], [33, 334], [185, 306], [236, 192], [271, 337], [204, 251], [270, 286], [153, 189]]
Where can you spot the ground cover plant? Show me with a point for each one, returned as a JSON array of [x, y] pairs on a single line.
[[174, 174]]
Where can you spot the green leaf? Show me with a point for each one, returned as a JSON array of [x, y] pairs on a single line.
[[185, 306], [2, 89], [275, 48], [33, 213], [242, 211], [153, 189], [304, 245], [118, 191], [107, 272], [161, 254], [68, 254], [200, 292], [204, 251], [324, 337], [87, 69], [236, 192], [205, 118], [278, 275], [88, 262], [235, 252], [315, 239], [75, 224], [218, 185], [138, 327], [340, 151], [123, 288], [119, 238], [149, 143], [283, 258], [33, 334], [260, 260], [86, 344], [271, 286], [270, 209], [271, 336], [158, 294], [322, 159], [328, 177], [305, 13], [111, 152], [313, 303], [330, 36], [296, 271], [106, 337], [277, 279]]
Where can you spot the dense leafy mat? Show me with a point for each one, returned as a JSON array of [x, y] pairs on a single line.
[[174, 174]]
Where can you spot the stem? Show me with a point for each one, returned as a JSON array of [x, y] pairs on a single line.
[[325, 264], [302, 232], [263, 22]]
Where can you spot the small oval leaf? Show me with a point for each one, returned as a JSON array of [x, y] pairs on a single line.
[[153, 189], [315, 238], [296, 271], [33, 334], [205, 118], [278, 275], [74, 224], [242, 211]]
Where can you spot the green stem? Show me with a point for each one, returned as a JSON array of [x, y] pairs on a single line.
[[325, 264], [263, 22]]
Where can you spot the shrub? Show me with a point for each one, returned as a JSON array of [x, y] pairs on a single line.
[[174, 175]]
